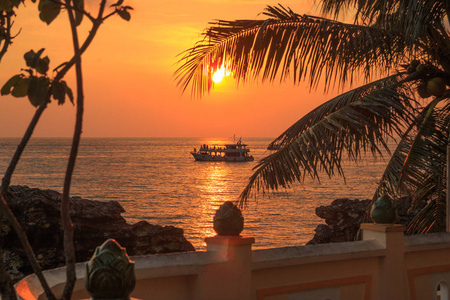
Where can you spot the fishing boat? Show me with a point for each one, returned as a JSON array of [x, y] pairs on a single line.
[[228, 152]]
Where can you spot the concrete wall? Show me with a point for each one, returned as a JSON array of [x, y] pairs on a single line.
[[384, 265]]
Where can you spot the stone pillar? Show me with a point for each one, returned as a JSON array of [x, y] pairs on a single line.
[[231, 277], [392, 281]]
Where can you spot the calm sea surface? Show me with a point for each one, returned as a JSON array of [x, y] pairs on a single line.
[[157, 180]]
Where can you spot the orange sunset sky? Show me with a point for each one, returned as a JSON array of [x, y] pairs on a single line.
[[130, 90]]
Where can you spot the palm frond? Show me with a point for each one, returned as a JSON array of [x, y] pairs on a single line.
[[418, 167], [412, 17], [422, 28], [340, 102], [420, 23], [421, 151], [288, 44], [359, 120], [389, 180], [428, 146], [430, 218]]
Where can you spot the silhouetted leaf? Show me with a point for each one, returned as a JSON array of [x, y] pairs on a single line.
[[29, 58], [49, 10], [6, 89], [42, 65], [33, 60], [79, 7], [37, 57], [68, 91], [59, 92], [21, 87], [33, 91], [124, 15], [38, 89]]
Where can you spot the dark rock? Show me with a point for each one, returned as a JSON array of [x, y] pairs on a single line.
[[38, 211], [343, 218]]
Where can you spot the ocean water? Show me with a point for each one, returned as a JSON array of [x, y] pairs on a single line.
[[157, 180]]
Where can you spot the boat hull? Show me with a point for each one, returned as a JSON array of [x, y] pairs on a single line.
[[203, 157]]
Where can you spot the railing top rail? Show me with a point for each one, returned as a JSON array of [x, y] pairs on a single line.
[[419, 242], [264, 258]]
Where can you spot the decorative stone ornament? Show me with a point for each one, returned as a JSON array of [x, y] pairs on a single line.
[[110, 273], [228, 220], [383, 211]]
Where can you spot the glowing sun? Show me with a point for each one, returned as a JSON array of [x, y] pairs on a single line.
[[219, 75]]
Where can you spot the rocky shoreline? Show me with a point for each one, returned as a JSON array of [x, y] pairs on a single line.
[[38, 211], [342, 219], [344, 216]]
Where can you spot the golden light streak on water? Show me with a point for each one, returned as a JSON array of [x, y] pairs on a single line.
[[216, 189]]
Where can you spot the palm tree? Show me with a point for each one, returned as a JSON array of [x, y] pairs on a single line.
[[402, 48]]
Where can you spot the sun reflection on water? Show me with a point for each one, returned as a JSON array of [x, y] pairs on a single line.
[[215, 190]]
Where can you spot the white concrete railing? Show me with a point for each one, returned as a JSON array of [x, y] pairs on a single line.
[[384, 265]]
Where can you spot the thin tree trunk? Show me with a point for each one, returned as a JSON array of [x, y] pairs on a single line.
[[7, 35], [69, 248], [6, 287]]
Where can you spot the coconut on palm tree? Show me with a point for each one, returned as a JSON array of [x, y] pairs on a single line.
[[402, 47]]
